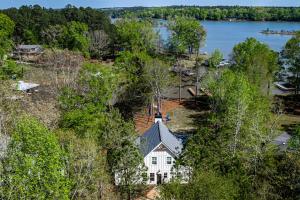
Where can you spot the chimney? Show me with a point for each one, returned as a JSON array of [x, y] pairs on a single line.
[[158, 117]]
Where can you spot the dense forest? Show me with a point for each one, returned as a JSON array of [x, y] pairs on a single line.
[[55, 28], [212, 13], [69, 138]]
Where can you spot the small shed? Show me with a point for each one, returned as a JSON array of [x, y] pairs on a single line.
[[29, 49], [26, 87], [28, 52]]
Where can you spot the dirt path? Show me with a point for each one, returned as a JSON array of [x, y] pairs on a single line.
[[143, 121]]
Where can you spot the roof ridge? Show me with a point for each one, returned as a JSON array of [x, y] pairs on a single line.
[[159, 132]]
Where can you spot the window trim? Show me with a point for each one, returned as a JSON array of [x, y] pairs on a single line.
[[169, 162], [152, 178], [165, 175], [154, 161]]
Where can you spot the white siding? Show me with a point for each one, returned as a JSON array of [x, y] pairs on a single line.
[[161, 153], [161, 167]]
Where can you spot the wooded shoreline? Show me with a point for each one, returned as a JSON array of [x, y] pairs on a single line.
[[216, 13]]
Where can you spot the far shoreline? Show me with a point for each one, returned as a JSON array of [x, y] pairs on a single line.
[[222, 20]]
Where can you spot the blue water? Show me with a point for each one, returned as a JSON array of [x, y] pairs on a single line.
[[224, 35]]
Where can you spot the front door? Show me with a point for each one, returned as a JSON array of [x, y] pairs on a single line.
[[158, 179]]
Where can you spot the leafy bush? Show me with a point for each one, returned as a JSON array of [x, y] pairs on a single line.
[[11, 70], [294, 143], [33, 168]]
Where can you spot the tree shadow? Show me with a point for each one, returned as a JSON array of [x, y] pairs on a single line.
[[290, 103], [202, 107]]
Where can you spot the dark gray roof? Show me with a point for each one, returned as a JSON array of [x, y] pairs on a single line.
[[26, 46], [156, 135]]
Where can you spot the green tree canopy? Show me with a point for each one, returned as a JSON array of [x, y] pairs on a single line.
[[87, 167], [187, 35], [127, 164], [6, 31], [212, 13], [76, 37], [131, 66], [215, 58], [294, 142], [11, 70], [86, 104], [240, 112], [257, 61], [233, 141], [158, 78], [135, 35], [33, 167], [291, 53], [7, 26], [53, 35], [203, 185]]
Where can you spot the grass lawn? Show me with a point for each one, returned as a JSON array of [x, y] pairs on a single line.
[[287, 121]]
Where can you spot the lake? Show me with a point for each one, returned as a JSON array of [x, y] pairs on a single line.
[[224, 35]]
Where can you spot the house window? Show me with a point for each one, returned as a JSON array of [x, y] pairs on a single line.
[[165, 175], [151, 177], [169, 160], [179, 175], [154, 160]]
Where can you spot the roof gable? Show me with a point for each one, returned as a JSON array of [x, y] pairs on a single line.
[[170, 140], [156, 135]]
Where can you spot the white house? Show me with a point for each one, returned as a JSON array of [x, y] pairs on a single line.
[[160, 149]]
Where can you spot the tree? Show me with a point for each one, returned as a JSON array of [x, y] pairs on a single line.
[[33, 23], [215, 58], [99, 129], [134, 35], [85, 104], [291, 53], [233, 140], [9, 108], [132, 69], [29, 37], [240, 113], [257, 61], [86, 166], [203, 185], [33, 166], [7, 26], [238, 131], [157, 75], [114, 130], [187, 34], [6, 31], [65, 66], [53, 35], [11, 70], [128, 167], [294, 142], [100, 43], [286, 178], [212, 13], [76, 37]]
